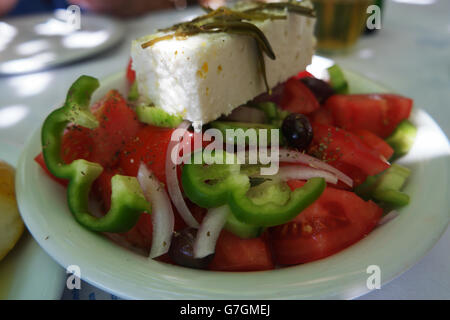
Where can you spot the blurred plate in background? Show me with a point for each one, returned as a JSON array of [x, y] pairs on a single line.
[[36, 42]]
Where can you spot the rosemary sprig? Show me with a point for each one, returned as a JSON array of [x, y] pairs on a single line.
[[243, 28]]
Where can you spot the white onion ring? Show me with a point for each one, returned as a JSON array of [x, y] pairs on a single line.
[[207, 235], [292, 156], [172, 180], [162, 214], [305, 173]]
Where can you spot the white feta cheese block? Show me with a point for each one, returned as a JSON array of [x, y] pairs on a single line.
[[207, 75]]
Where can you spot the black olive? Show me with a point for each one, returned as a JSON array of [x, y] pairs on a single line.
[[297, 130], [182, 250], [320, 88]]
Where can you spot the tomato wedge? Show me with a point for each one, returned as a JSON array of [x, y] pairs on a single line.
[[236, 254], [298, 98], [118, 125], [335, 221], [399, 109], [355, 173], [303, 74], [148, 146], [378, 113], [77, 143], [375, 142], [323, 116], [332, 144]]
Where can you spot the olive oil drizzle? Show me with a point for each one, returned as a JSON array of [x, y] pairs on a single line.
[[232, 21]]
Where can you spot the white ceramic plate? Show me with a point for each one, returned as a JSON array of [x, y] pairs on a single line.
[[27, 272], [36, 42], [394, 247]]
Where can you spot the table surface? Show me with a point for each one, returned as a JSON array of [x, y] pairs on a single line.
[[410, 54]]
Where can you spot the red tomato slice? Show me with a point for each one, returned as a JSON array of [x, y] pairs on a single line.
[[304, 74], [118, 125], [298, 98], [102, 188], [377, 113], [399, 109], [355, 173], [332, 144], [335, 221], [323, 116], [77, 143], [236, 254], [149, 146], [375, 142], [131, 74]]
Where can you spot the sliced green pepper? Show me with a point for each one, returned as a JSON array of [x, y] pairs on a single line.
[[218, 184], [273, 112], [127, 200], [133, 94], [402, 139], [241, 229], [386, 187], [272, 214], [208, 185], [337, 80], [157, 117]]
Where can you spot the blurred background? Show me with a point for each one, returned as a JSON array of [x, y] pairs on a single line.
[[403, 44]]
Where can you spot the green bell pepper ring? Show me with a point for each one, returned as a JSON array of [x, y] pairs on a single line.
[[127, 200], [386, 187], [208, 185], [271, 214], [215, 185], [337, 80]]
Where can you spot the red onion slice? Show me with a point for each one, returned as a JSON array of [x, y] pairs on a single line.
[[207, 235], [172, 179], [305, 173], [292, 156], [162, 213]]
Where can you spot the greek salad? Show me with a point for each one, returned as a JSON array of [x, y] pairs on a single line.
[[336, 174]]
